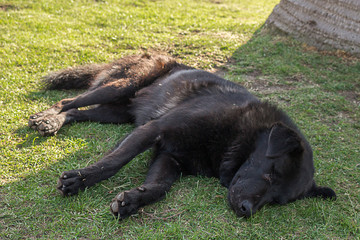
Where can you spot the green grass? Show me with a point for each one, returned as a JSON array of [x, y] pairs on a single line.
[[319, 90]]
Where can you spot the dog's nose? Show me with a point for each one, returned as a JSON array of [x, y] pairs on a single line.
[[246, 208]]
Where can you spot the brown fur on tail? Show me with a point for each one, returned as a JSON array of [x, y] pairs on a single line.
[[140, 70], [73, 78]]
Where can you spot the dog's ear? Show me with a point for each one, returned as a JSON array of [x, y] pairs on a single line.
[[282, 140], [323, 192]]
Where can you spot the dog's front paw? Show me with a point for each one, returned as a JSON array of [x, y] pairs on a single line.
[[125, 204], [71, 182]]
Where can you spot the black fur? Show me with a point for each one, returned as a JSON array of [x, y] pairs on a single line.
[[196, 122]]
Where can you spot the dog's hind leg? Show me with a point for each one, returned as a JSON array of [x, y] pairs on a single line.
[[113, 85], [142, 138], [108, 113], [163, 172], [110, 93]]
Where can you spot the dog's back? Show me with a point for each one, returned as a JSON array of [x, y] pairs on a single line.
[[181, 86]]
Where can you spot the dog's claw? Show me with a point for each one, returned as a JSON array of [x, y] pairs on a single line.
[[114, 206], [141, 189], [120, 197]]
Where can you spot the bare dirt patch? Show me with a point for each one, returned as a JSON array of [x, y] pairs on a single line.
[[256, 82], [221, 72], [351, 96]]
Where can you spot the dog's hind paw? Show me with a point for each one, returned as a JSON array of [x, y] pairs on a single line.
[[35, 120], [46, 125], [125, 204], [71, 182]]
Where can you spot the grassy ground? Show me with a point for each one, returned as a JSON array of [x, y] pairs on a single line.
[[319, 90]]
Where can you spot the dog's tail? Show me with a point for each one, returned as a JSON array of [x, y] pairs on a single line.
[[73, 78]]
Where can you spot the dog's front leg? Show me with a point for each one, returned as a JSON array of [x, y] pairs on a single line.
[[142, 138], [163, 172]]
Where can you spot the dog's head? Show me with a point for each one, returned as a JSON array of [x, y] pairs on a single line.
[[279, 170]]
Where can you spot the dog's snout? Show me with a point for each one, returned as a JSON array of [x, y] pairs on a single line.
[[245, 208]]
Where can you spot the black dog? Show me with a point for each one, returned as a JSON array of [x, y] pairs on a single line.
[[196, 122]]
